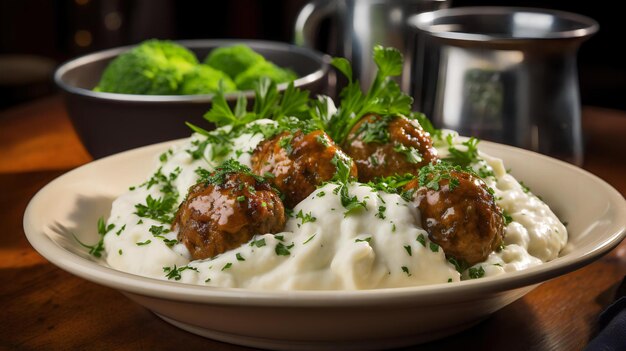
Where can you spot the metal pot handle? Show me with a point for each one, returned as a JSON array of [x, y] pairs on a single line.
[[309, 18]]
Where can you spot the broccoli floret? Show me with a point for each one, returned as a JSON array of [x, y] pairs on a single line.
[[155, 67], [246, 79], [204, 79], [233, 59]]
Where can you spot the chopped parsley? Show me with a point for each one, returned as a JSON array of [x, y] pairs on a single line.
[[411, 154], [405, 269], [434, 247], [258, 243], [309, 239], [285, 144], [431, 175], [507, 218], [239, 257], [305, 217], [227, 266], [343, 178], [144, 242], [283, 250], [462, 158], [475, 273], [96, 249], [374, 130], [459, 265], [321, 139], [218, 176], [121, 230], [421, 239], [367, 240], [408, 250], [381, 212], [160, 209], [174, 272]]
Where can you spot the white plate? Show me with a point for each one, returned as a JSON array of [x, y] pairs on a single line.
[[315, 320]]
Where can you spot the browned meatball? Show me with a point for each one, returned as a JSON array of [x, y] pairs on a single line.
[[384, 146], [219, 217], [299, 163], [462, 218]]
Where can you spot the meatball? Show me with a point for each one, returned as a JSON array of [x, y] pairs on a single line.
[[384, 146], [215, 218], [459, 213], [299, 163]]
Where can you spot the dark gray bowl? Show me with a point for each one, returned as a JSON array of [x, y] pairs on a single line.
[[108, 123]]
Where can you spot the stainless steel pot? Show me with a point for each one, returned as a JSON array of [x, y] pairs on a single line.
[[503, 74]]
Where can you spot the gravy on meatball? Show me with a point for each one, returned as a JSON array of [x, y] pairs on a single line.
[[226, 212], [458, 212], [299, 162], [384, 146]]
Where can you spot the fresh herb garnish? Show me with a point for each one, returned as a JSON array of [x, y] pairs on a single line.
[[305, 217], [431, 175], [174, 272], [258, 243], [460, 265], [142, 243], [96, 249], [160, 209], [434, 247], [421, 239], [462, 158], [384, 97], [507, 218], [411, 154], [218, 176], [381, 212], [405, 269], [309, 239], [283, 250], [475, 273], [408, 250]]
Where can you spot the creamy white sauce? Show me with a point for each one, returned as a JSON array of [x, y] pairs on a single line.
[[381, 246]]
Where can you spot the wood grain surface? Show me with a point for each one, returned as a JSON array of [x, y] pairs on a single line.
[[44, 308]]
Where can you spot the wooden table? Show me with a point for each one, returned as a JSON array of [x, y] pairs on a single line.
[[43, 307]]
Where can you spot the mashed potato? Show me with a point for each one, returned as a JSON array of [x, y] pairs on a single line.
[[381, 246]]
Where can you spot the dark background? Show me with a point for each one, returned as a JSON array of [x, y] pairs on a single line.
[[37, 35]]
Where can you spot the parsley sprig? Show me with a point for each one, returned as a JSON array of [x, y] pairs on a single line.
[[430, 176], [343, 179], [97, 248], [383, 98], [218, 176], [460, 157], [162, 208]]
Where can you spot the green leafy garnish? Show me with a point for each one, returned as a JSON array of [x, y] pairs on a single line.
[[283, 250], [475, 273], [305, 217], [411, 154], [462, 158], [174, 272], [431, 175], [459, 265], [258, 243], [96, 249], [421, 239], [218, 176], [384, 97]]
